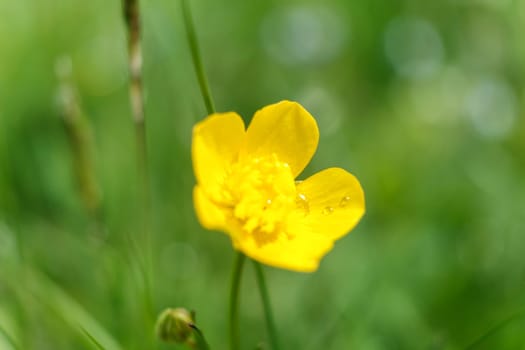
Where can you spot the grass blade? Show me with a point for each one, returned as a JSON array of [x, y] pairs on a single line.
[[92, 339]]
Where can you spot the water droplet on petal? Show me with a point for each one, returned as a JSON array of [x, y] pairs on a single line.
[[328, 210], [302, 203], [267, 204], [344, 201]]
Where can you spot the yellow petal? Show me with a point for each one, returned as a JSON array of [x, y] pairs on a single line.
[[210, 215], [301, 253], [215, 145], [330, 203], [285, 129]]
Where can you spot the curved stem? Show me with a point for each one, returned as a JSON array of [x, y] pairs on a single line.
[[234, 301], [200, 343], [196, 57], [270, 324]]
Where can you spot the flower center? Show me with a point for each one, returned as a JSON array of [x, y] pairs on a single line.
[[261, 191]]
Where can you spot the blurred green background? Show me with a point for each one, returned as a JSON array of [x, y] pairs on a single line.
[[422, 101]]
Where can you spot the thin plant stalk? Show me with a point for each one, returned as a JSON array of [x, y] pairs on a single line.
[[132, 18], [200, 341], [239, 261], [80, 137], [234, 301], [270, 324], [234, 338], [196, 57]]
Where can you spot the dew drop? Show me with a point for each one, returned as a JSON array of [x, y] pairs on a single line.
[[302, 203], [267, 204], [344, 201], [328, 210]]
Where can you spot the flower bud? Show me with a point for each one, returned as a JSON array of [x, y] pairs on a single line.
[[175, 326]]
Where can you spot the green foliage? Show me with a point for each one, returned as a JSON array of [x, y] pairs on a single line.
[[423, 101]]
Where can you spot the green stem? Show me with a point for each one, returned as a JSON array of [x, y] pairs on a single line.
[[234, 301], [196, 57], [270, 324], [132, 18], [210, 108], [200, 342]]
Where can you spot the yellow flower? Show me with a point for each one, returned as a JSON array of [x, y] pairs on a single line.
[[246, 187]]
